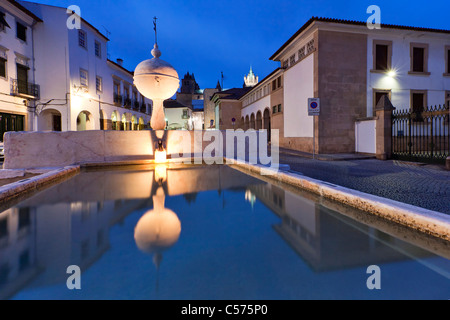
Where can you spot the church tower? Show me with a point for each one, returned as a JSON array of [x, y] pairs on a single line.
[[251, 79], [189, 85]]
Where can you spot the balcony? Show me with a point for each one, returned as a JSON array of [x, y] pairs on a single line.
[[127, 102], [24, 89], [118, 99]]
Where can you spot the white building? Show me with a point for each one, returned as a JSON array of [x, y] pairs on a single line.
[[350, 68], [54, 78], [80, 88], [18, 86]]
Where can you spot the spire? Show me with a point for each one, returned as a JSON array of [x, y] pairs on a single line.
[[218, 86], [156, 53]]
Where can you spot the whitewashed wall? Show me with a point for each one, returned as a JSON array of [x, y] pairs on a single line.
[[298, 87], [402, 83], [365, 136]]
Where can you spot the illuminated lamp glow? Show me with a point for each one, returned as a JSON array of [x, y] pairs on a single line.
[[392, 73], [160, 156]]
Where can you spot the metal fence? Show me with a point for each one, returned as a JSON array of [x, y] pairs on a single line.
[[421, 136]]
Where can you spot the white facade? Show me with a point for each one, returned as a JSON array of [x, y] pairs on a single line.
[[298, 87], [402, 81], [16, 56], [77, 79]]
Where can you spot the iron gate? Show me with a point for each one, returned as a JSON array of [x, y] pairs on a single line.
[[421, 136]]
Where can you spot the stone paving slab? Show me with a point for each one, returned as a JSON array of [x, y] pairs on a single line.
[[425, 186]]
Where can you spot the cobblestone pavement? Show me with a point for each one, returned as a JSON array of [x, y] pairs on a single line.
[[423, 186]]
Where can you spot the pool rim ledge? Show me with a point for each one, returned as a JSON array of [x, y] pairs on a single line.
[[21, 188], [421, 219]]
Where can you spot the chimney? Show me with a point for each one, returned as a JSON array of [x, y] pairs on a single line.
[[120, 62]]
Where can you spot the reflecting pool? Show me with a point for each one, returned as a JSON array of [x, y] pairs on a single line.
[[207, 233]]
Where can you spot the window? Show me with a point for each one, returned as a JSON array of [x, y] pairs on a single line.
[[292, 60], [418, 104], [84, 82], [24, 218], [310, 47], [21, 32], [447, 99], [419, 58], [3, 23], [99, 84], [2, 67], [279, 108], [301, 53], [279, 82], [285, 64], [377, 96], [447, 61], [82, 39], [274, 109], [98, 49], [274, 85]]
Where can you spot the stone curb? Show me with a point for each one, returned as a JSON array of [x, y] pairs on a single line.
[[16, 189], [428, 221]]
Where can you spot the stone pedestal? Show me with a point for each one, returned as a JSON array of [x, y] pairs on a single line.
[[384, 110]]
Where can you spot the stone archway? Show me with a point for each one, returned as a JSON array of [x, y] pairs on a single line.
[[115, 125], [123, 123], [85, 121], [252, 121], [267, 124], [259, 121], [50, 120], [134, 123]]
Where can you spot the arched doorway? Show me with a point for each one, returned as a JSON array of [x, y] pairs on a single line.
[[103, 121], [252, 121], [267, 124], [123, 124], [134, 123], [85, 121], [247, 123], [141, 123], [114, 123], [50, 120], [258, 121], [242, 124]]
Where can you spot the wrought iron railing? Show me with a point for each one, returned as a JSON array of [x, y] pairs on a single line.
[[24, 88], [421, 135], [127, 102], [118, 99]]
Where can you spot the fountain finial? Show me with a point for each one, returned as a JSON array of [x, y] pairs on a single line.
[[156, 53]]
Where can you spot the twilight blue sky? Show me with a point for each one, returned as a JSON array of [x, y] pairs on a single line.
[[209, 36]]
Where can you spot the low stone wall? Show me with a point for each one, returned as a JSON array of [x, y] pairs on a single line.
[[25, 150]]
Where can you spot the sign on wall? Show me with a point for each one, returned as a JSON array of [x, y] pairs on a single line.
[[313, 106]]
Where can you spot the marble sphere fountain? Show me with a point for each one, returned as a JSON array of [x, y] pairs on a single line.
[[157, 80]]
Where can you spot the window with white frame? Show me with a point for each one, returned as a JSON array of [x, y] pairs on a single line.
[[99, 84], [3, 23], [310, 46], [292, 60], [3, 64], [98, 49], [301, 53], [84, 78], [82, 39], [21, 32]]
